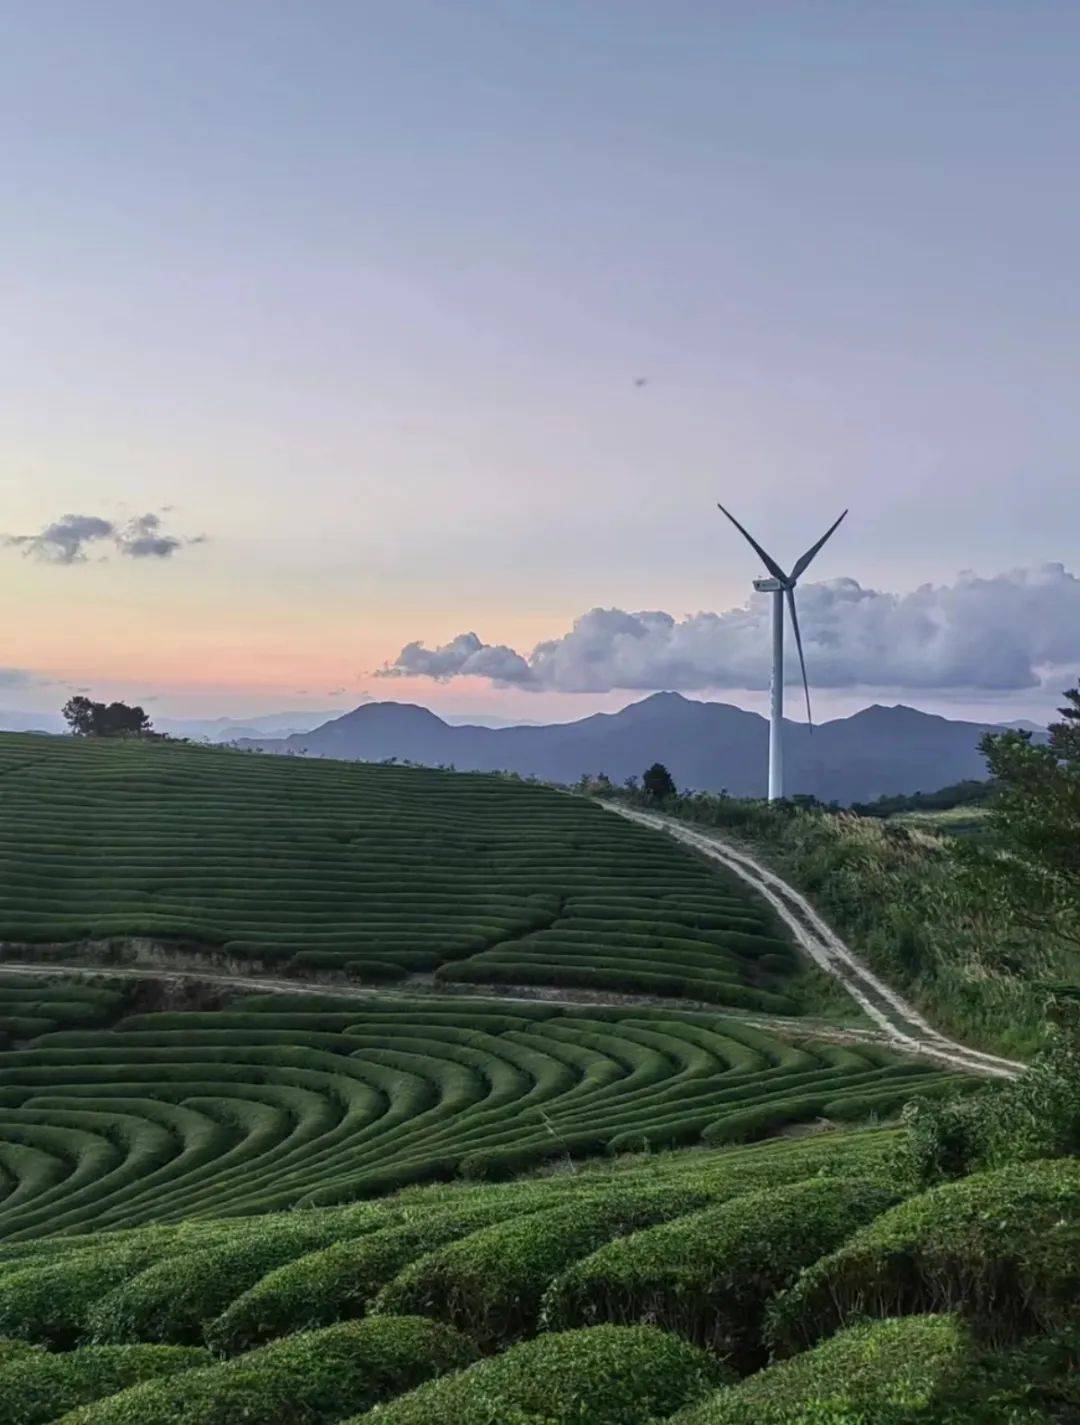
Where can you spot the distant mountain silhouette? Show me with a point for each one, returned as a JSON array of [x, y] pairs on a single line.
[[878, 751]]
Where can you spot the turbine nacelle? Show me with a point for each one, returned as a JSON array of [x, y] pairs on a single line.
[[768, 586]]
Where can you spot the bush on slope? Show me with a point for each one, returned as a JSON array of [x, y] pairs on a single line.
[[40, 1387], [175, 1298], [13, 1350], [336, 1282], [491, 1282], [856, 1378], [51, 1301], [312, 1378], [604, 1375], [708, 1276], [1002, 1247]]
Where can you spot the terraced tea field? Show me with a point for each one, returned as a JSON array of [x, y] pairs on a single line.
[[617, 1296], [378, 872], [282, 1100]]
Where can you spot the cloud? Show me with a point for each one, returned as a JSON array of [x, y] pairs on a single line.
[[141, 538], [66, 540], [994, 634], [15, 678], [464, 655]]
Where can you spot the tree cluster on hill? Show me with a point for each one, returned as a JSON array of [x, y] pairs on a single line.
[[1034, 874], [958, 794], [89, 719]]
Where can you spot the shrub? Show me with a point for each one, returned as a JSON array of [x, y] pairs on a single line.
[[491, 1283], [41, 1387], [306, 1379], [709, 1276], [1003, 1248], [12, 1350], [604, 1375], [852, 1379], [174, 1299], [1036, 1115], [51, 1302], [337, 1281]]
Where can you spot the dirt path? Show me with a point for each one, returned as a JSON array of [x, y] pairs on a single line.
[[902, 1024]]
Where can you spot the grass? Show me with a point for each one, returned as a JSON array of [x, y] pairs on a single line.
[[892, 887]]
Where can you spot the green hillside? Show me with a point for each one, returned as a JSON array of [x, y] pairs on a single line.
[[694, 1288], [374, 871], [406, 1206]]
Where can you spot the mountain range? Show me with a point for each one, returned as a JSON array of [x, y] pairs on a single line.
[[707, 746]]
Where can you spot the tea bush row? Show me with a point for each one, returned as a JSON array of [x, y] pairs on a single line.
[[271, 1103], [376, 872]]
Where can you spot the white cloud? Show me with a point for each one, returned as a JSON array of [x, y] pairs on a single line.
[[992, 634]]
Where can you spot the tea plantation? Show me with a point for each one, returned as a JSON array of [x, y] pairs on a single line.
[[680, 1287], [280, 1100], [375, 871], [420, 1207]]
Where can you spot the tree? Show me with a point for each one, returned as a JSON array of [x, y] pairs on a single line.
[[658, 782], [90, 719], [1034, 870]]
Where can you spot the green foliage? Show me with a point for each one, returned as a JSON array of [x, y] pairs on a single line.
[[338, 1281], [859, 1377], [281, 1101], [15, 1350], [1036, 1115], [1003, 1248], [957, 794], [491, 1282], [31, 1005], [50, 1302], [347, 869], [1035, 875], [708, 1276], [911, 903], [41, 1387], [312, 1378], [89, 719], [175, 1298], [658, 783], [604, 1375]]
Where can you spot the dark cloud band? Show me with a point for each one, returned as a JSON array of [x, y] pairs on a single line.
[[67, 539]]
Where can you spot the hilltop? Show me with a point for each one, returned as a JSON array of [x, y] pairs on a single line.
[[709, 746]]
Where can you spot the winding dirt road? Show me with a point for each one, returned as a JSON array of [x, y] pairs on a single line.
[[899, 1021]]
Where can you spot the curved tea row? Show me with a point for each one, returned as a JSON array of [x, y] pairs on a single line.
[[377, 871], [285, 1100]]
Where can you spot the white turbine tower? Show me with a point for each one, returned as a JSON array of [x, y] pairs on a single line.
[[781, 586]]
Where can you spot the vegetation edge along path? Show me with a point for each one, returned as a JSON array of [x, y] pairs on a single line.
[[904, 1025]]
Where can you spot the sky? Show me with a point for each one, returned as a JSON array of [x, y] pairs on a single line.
[[347, 329]]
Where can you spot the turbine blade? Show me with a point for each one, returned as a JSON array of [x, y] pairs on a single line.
[[767, 559], [790, 592], [801, 564]]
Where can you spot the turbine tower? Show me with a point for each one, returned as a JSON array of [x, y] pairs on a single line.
[[782, 587]]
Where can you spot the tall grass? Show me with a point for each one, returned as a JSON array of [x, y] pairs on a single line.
[[899, 895]]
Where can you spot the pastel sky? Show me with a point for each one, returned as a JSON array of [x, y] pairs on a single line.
[[355, 297]]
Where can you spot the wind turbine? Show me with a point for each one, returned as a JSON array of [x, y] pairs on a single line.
[[781, 586]]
